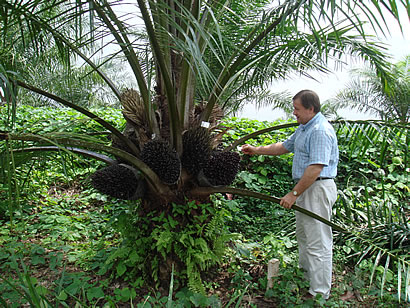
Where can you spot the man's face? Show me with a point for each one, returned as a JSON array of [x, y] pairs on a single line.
[[302, 114]]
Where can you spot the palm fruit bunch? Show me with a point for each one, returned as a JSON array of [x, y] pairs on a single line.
[[162, 159], [118, 181], [196, 144], [119, 144], [221, 168]]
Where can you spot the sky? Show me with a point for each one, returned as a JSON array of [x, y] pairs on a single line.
[[327, 85]]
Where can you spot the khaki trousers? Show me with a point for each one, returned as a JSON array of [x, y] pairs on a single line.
[[315, 239]]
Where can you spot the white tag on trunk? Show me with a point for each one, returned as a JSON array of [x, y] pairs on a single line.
[[205, 124]]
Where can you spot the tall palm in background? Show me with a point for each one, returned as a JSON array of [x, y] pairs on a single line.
[[384, 96], [193, 62], [283, 101], [50, 65]]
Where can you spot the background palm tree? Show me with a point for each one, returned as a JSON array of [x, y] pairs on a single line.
[[51, 66], [283, 101], [384, 96], [194, 62]]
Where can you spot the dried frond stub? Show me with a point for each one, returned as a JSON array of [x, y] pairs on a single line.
[[133, 107]]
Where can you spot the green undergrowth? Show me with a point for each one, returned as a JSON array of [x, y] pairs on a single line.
[[62, 243]]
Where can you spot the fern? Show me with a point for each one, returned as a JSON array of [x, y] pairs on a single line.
[[163, 242], [216, 225], [194, 278], [192, 235]]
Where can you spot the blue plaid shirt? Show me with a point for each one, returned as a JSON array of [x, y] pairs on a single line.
[[314, 143]]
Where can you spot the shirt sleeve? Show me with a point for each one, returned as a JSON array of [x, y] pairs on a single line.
[[320, 148], [289, 143]]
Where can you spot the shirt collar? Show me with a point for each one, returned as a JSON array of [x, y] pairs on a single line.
[[313, 120]]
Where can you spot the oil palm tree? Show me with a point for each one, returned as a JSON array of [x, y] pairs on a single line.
[[193, 62], [384, 96]]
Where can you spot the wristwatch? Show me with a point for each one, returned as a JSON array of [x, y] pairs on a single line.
[[295, 193]]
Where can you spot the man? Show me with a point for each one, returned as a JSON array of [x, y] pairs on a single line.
[[315, 159]]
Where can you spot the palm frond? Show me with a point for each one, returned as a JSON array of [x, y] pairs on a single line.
[[248, 193], [385, 95], [236, 60], [175, 123], [71, 142], [360, 135], [105, 124], [119, 32], [38, 25], [260, 98], [70, 150]]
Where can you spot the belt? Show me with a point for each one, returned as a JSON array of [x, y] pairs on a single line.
[[320, 178]]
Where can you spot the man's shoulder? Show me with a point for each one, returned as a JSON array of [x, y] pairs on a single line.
[[323, 128], [322, 124]]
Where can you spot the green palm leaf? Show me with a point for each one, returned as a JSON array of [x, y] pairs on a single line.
[[386, 96]]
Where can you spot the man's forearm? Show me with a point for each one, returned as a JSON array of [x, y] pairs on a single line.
[[272, 149], [310, 175]]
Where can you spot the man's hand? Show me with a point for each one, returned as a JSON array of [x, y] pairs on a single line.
[[288, 200], [248, 149]]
